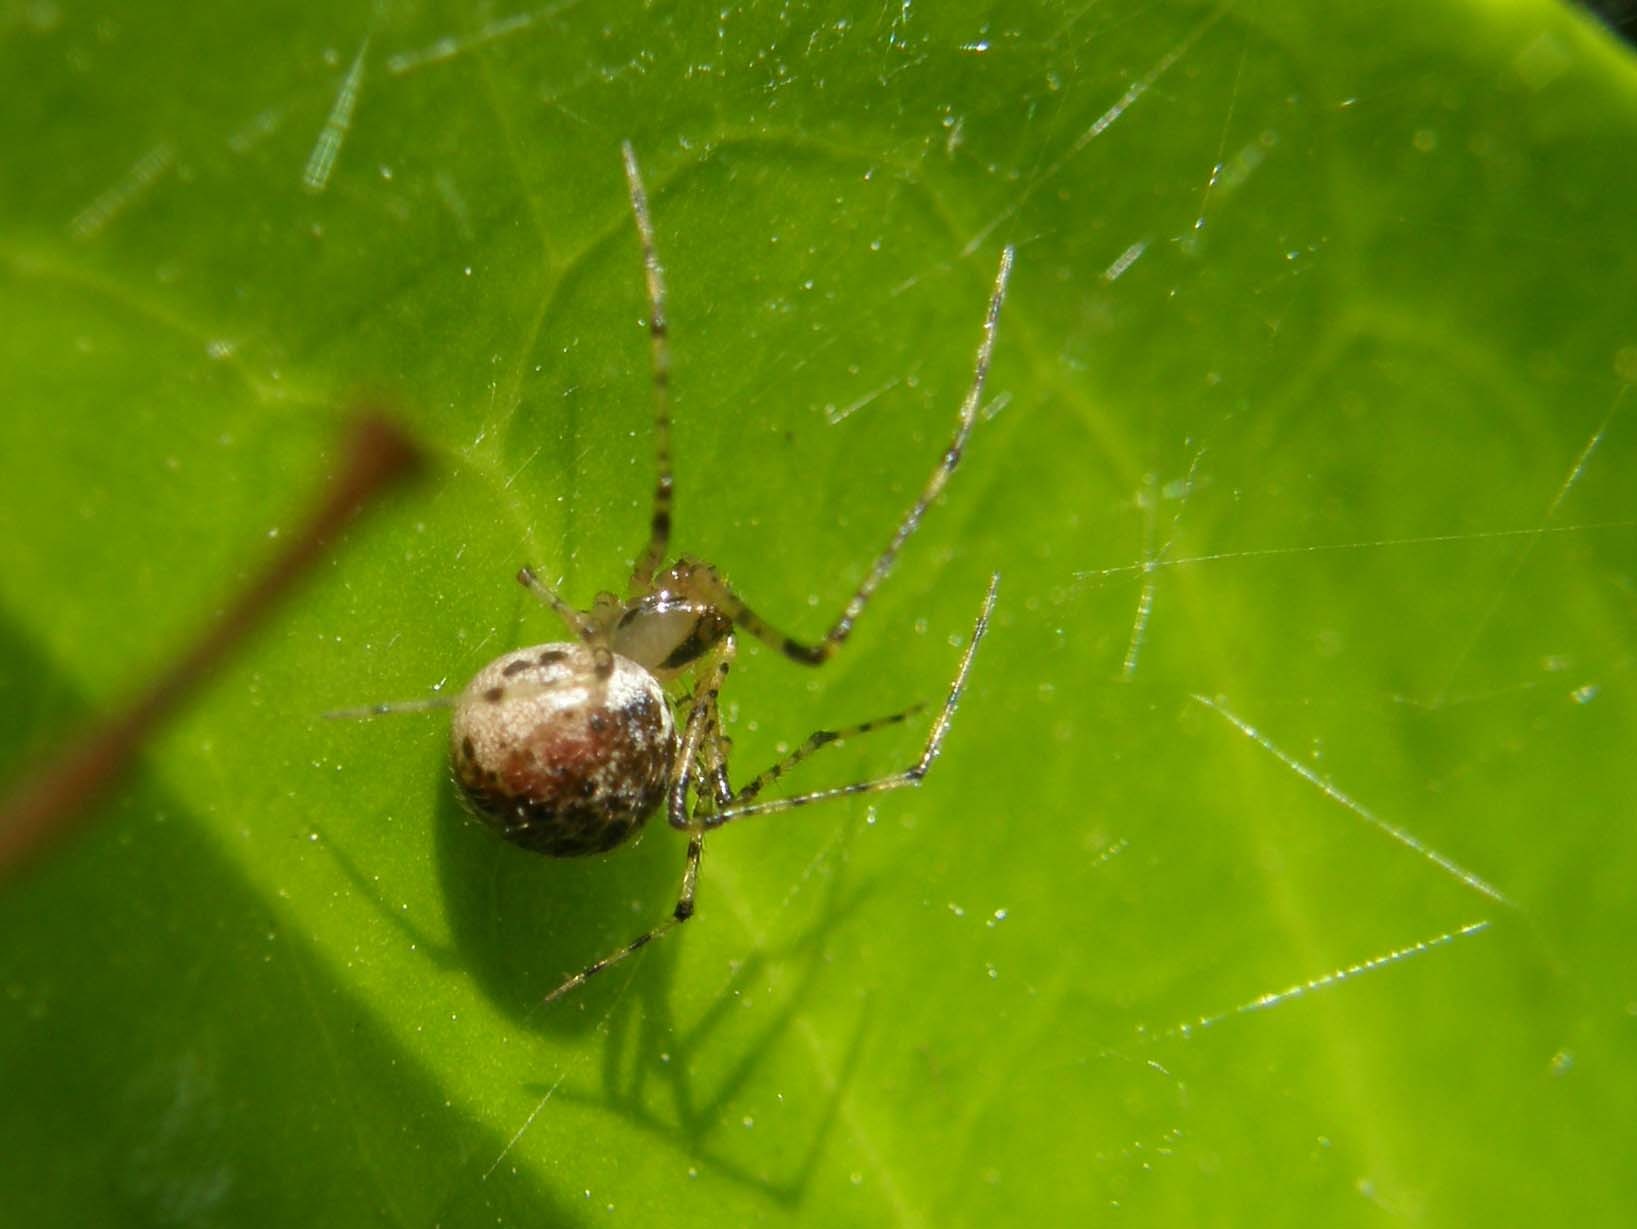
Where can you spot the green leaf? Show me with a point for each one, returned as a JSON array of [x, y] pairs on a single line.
[[1278, 864]]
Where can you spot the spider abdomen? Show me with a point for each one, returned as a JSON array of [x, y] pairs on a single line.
[[564, 750]]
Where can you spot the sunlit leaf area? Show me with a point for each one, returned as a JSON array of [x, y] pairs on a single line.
[[1278, 868]]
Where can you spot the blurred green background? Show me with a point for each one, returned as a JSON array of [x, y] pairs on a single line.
[[1279, 866]]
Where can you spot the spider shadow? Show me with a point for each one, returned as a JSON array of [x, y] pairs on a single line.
[[643, 1046], [519, 922]]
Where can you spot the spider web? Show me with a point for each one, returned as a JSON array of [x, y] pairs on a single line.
[[1275, 856]]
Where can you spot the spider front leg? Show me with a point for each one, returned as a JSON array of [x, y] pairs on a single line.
[[704, 583], [659, 531], [702, 724]]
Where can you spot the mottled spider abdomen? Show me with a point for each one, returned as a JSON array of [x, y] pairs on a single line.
[[557, 759]]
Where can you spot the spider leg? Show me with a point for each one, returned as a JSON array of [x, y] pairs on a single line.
[[659, 532], [702, 718], [815, 740], [710, 759], [603, 666], [898, 780], [712, 588], [680, 912], [429, 704], [572, 619], [713, 762]]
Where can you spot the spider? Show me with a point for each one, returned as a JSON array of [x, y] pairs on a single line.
[[567, 748]]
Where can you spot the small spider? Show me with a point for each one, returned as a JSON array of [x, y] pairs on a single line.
[[567, 748]]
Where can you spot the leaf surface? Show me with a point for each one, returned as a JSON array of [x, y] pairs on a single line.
[[1278, 863]]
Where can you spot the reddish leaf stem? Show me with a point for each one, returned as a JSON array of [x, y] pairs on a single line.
[[55, 799]]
